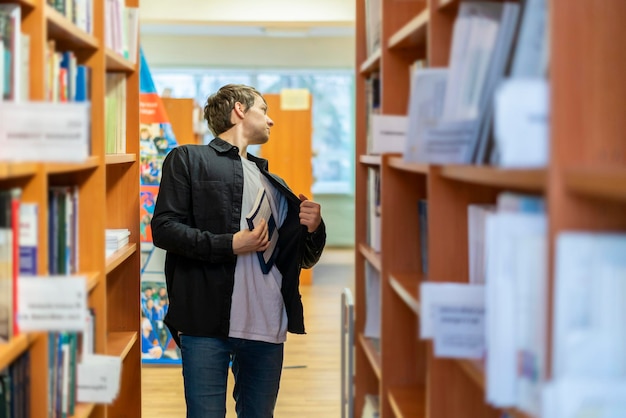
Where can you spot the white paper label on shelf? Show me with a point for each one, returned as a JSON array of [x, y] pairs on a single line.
[[98, 379], [388, 133], [459, 331], [52, 303], [435, 294], [43, 131]]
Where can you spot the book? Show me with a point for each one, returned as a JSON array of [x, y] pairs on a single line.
[[10, 24], [28, 238], [261, 209]]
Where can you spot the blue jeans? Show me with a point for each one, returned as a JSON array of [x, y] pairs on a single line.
[[256, 366]]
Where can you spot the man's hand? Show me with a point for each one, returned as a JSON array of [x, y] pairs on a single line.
[[246, 241], [310, 213]]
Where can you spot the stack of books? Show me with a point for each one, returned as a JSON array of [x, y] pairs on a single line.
[[115, 239]]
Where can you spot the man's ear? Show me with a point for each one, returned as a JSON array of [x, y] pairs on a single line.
[[239, 110]]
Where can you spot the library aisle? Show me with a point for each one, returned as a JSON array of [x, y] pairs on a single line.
[[310, 386]]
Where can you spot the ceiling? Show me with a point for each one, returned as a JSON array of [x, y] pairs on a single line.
[[270, 18]]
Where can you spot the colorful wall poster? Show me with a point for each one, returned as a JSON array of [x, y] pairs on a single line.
[[156, 140]]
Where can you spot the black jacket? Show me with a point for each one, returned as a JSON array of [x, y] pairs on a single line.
[[198, 209]]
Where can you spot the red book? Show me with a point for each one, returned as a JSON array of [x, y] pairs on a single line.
[[16, 197]]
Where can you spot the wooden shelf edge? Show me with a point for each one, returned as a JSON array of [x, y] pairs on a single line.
[[369, 159], [399, 164], [10, 351], [474, 370], [112, 159], [407, 289], [30, 4], [371, 256], [531, 179], [12, 170], [116, 62], [372, 63], [120, 343], [61, 28], [602, 182], [92, 280], [62, 168], [445, 4], [408, 401], [372, 354], [118, 257], [83, 410], [412, 34]]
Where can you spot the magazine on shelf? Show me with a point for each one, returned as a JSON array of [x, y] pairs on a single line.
[[261, 209]]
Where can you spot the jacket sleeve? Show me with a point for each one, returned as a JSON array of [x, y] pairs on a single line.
[[171, 223], [313, 246]]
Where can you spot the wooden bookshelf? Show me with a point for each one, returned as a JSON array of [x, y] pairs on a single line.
[[584, 186], [108, 196]]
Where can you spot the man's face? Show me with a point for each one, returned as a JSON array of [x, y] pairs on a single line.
[[257, 123]]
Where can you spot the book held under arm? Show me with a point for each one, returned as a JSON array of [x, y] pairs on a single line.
[[261, 209]]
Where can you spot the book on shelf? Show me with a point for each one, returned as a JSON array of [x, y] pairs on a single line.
[[115, 239], [28, 241], [482, 40], [115, 113], [15, 388], [422, 214], [589, 310], [373, 19], [530, 59], [262, 210], [521, 123], [372, 302], [575, 398], [10, 32], [428, 86], [515, 280], [6, 267], [476, 218], [374, 210]]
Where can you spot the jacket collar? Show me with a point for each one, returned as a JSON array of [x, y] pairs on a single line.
[[222, 146]]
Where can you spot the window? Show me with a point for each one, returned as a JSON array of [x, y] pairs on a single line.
[[333, 111]]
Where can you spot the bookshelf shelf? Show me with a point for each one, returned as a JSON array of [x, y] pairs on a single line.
[[83, 410], [598, 182], [120, 343], [371, 256], [93, 279], [372, 354], [117, 258], [372, 63], [370, 160], [62, 30], [473, 369], [66, 168], [113, 159], [14, 348], [408, 402], [10, 171], [413, 34], [26, 4], [531, 180], [400, 164], [445, 5], [406, 285], [117, 63]]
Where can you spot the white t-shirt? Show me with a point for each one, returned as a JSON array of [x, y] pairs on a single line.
[[258, 311]]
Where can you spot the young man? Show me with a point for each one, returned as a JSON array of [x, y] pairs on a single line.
[[223, 307]]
